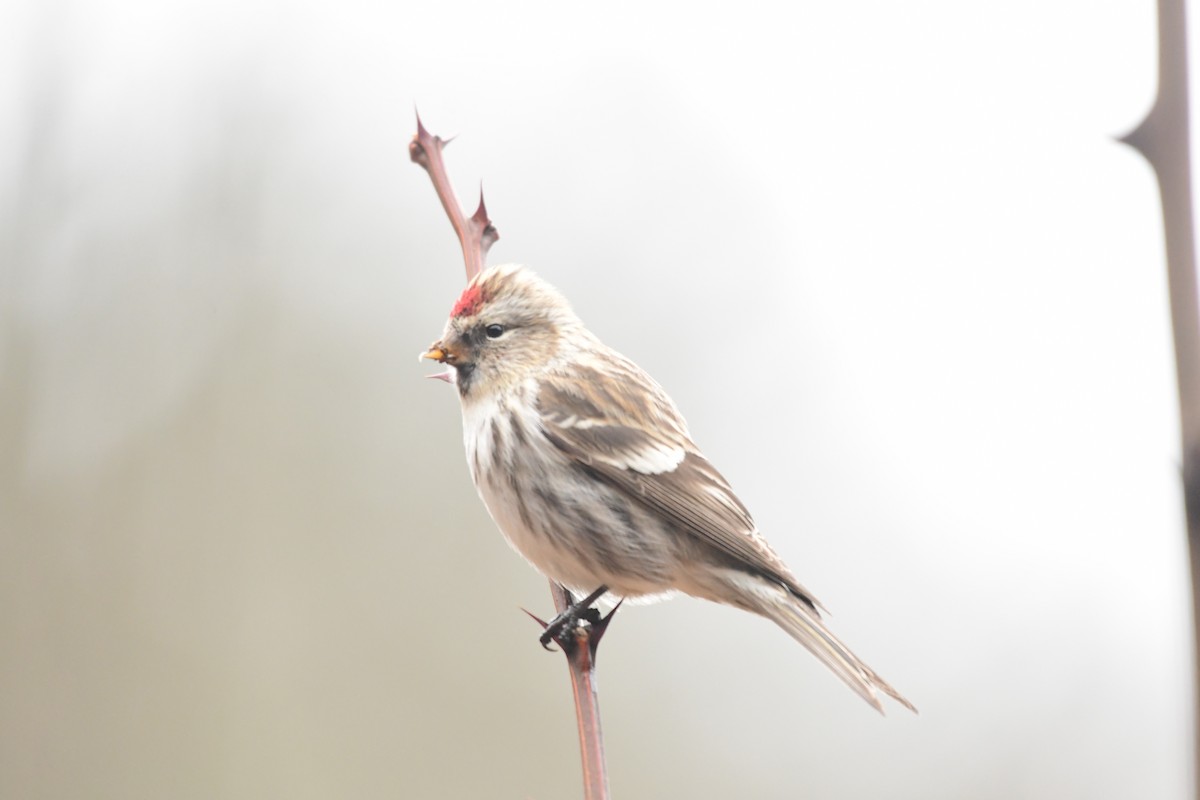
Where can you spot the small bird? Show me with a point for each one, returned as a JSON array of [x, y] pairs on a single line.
[[588, 469]]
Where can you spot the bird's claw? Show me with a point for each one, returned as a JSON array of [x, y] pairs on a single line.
[[545, 638], [567, 622], [562, 627]]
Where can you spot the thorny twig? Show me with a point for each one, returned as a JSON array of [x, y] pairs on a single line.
[[476, 234], [579, 644]]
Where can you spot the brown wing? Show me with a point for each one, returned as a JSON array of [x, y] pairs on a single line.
[[620, 423]]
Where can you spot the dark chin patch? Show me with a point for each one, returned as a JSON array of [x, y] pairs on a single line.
[[464, 378]]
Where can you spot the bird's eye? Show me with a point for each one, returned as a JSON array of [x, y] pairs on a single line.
[[494, 331]]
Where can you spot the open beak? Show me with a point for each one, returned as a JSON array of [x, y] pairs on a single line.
[[438, 352]]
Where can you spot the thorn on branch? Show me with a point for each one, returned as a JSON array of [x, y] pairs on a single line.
[[418, 148], [488, 235], [476, 234], [536, 618], [481, 216], [601, 626]]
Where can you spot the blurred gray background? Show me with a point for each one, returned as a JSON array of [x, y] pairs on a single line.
[[887, 258]]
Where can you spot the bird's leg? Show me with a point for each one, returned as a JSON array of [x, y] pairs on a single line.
[[572, 615]]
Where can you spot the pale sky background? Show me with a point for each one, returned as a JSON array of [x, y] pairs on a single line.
[[887, 257]]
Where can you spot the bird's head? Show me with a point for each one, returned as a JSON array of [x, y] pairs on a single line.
[[506, 326]]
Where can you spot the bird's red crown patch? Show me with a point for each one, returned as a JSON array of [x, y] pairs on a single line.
[[468, 302]]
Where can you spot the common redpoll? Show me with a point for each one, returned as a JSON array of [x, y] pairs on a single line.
[[588, 469]]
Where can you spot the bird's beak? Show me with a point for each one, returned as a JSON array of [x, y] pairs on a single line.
[[438, 352]]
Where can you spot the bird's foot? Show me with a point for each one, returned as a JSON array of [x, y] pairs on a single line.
[[571, 618], [568, 620]]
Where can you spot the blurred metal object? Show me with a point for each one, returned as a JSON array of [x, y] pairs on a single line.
[[1163, 139]]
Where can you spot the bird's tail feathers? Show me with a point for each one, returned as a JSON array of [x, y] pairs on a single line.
[[803, 625]]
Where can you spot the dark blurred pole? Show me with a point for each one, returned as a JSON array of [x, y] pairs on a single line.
[[1163, 139]]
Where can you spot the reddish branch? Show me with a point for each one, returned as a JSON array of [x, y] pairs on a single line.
[[579, 643], [476, 234]]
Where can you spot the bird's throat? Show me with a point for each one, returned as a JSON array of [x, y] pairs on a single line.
[[464, 378]]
